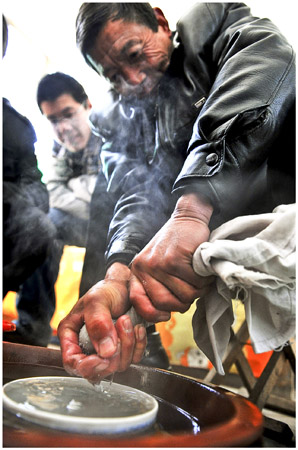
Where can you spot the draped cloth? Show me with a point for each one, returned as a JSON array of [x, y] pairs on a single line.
[[253, 260]]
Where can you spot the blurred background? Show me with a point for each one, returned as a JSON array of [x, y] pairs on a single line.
[[42, 40]]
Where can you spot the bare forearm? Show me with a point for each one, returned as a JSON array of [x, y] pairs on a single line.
[[194, 206], [118, 271]]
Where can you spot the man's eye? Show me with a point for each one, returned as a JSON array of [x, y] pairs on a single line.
[[134, 56], [113, 78]]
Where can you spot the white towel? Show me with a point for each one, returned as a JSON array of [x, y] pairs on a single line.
[[253, 258]]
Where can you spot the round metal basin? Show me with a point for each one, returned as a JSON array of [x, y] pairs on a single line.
[[191, 413]]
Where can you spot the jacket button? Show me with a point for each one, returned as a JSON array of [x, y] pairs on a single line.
[[212, 159]]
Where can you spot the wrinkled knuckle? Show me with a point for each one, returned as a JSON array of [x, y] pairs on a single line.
[[89, 297], [152, 264], [147, 263], [170, 260], [61, 326]]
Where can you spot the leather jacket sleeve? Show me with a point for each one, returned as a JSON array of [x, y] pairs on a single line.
[[144, 202], [245, 111]]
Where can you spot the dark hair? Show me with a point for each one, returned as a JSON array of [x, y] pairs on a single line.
[[4, 35], [92, 18], [53, 85]]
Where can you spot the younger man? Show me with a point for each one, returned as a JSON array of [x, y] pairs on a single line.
[[70, 181]]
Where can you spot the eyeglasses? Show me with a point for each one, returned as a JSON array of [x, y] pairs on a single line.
[[66, 116]]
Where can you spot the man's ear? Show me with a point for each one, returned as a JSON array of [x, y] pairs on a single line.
[[162, 21], [88, 104]]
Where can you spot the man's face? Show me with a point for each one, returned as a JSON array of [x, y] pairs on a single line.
[[132, 56], [69, 120]]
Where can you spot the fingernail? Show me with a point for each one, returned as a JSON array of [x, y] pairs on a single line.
[[164, 317], [117, 353], [127, 325], [142, 333], [103, 365], [106, 347]]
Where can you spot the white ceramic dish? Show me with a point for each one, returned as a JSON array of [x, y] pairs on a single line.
[[73, 404]]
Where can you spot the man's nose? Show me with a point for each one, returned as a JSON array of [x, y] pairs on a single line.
[[133, 76], [62, 126]]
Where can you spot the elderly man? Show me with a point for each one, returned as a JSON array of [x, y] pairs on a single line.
[[221, 95]]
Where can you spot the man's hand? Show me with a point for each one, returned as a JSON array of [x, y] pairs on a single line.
[[164, 280], [117, 346]]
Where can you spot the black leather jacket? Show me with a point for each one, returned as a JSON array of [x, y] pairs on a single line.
[[222, 124]]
